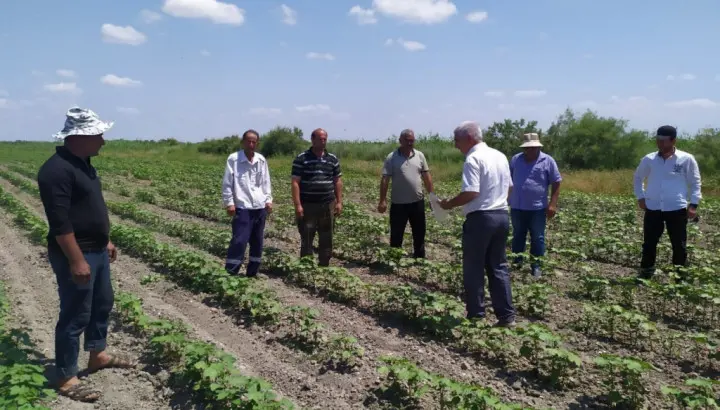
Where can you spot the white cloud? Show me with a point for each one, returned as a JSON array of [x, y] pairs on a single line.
[[313, 108], [494, 93], [4, 103], [115, 81], [363, 16], [506, 107], [530, 93], [289, 15], [66, 73], [122, 35], [319, 56], [264, 111], [71, 88], [4, 93], [406, 44], [417, 11], [149, 16], [37, 73], [695, 103], [213, 10], [717, 77], [205, 53], [128, 110], [684, 77], [477, 16]]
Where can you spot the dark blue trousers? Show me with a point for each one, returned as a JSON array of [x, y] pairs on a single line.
[[248, 226], [83, 308], [483, 241]]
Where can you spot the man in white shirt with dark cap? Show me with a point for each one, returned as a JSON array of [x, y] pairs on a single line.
[[486, 182], [669, 198], [247, 195]]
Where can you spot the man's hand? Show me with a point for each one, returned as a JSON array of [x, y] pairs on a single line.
[[269, 207], [382, 207], [691, 213], [299, 212], [641, 203], [231, 210], [445, 204], [80, 271], [551, 211], [112, 252], [338, 208]]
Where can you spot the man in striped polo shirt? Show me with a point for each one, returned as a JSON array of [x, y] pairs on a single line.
[[317, 195]]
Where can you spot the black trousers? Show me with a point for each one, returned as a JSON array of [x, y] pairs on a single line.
[[400, 214], [654, 224]]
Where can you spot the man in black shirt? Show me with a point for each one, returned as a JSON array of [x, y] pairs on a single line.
[[317, 195], [79, 250]]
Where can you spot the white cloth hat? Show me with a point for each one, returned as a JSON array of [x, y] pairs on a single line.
[[531, 140], [82, 121]]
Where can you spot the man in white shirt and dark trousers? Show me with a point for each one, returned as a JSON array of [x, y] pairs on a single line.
[[247, 195], [486, 182], [669, 198]]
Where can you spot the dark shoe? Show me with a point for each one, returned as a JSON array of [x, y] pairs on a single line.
[[509, 324], [475, 317], [536, 272], [646, 273], [251, 275]]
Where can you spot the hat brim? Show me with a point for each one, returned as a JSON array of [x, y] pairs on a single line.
[[531, 144], [95, 129]]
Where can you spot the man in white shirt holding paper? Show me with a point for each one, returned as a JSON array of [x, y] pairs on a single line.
[[247, 196], [486, 182], [669, 198]]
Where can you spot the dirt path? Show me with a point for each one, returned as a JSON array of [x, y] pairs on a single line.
[[33, 296]]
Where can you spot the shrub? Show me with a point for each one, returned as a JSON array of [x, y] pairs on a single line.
[[283, 141]]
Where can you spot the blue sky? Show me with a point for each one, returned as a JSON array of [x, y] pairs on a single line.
[[194, 69]]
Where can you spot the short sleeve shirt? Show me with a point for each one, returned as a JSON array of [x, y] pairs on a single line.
[[531, 181], [487, 172], [406, 176], [317, 176]]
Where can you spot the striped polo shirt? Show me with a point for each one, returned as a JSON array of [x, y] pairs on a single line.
[[317, 176]]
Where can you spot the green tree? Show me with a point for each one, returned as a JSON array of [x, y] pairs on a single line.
[[593, 142], [506, 136], [282, 141]]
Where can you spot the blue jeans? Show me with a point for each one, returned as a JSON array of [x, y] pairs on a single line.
[[83, 308], [524, 221], [483, 241]]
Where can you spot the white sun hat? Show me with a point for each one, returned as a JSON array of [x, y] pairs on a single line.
[[531, 139], [82, 121]]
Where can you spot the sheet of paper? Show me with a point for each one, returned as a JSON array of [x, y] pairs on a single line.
[[439, 213]]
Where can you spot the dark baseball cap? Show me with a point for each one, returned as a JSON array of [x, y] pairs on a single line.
[[666, 131]]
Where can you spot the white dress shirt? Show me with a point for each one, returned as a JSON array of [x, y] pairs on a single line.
[[246, 184], [486, 171], [672, 183]]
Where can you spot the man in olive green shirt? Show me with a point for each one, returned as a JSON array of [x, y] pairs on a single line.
[[408, 170]]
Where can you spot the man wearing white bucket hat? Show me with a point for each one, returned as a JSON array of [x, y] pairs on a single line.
[[533, 173], [79, 250]]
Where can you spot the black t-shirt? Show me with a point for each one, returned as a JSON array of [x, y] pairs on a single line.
[[71, 193], [317, 176]]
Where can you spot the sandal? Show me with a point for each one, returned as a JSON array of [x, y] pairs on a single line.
[[82, 391], [116, 361]]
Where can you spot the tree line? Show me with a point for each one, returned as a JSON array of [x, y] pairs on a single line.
[[576, 141]]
